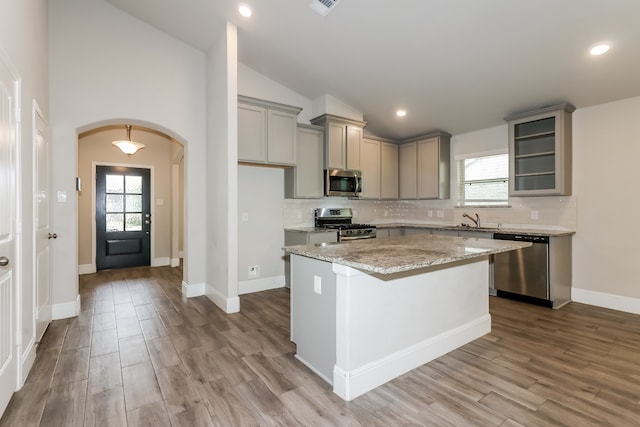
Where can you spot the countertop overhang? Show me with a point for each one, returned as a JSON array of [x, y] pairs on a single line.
[[400, 254]]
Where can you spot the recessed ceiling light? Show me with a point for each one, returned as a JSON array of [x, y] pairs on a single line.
[[401, 113], [244, 11], [600, 48]]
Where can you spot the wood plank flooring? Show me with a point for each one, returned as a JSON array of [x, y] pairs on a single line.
[[141, 355]]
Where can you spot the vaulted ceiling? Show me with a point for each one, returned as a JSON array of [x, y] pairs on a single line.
[[457, 66]]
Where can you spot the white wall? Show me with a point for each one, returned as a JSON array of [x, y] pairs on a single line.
[[108, 67], [221, 188], [23, 43], [606, 151], [253, 84], [260, 230]]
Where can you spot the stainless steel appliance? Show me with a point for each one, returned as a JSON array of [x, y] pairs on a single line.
[[340, 219], [539, 274], [342, 183]]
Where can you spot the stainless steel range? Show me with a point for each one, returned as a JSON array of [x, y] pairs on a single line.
[[340, 219]]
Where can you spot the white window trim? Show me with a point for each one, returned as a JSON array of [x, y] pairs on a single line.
[[456, 174]]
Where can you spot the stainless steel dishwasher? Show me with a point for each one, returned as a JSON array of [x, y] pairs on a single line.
[[523, 274], [540, 274]]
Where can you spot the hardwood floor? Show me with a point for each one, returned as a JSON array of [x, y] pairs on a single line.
[[141, 355]]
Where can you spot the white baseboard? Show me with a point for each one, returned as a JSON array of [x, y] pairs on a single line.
[[226, 304], [160, 262], [351, 384], [28, 359], [604, 300], [257, 285], [65, 310], [86, 269], [175, 262], [193, 290]]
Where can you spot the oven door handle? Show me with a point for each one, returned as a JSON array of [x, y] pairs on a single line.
[[360, 237]]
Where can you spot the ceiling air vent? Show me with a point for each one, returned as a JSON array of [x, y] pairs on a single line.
[[323, 7]]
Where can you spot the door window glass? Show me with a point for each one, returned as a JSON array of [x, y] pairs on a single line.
[[134, 184], [123, 203], [115, 184]]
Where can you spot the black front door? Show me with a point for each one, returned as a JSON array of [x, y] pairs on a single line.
[[123, 217]]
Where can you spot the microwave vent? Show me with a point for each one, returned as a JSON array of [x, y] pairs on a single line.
[[323, 7]]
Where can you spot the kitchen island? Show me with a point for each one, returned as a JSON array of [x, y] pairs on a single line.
[[367, 311]]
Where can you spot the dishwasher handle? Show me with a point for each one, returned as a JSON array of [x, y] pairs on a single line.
[[521, 238]]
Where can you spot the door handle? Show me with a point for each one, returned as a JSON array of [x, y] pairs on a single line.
[[52, 236], [4, 261]]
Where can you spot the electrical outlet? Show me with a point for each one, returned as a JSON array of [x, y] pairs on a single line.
[[430, 213], [245, 216], [535, 214], [440, 213], [317, 285], [254, 271]]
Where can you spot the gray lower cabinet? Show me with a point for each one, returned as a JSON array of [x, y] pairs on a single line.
[[304, 181], [266, 131], [410, 231], [298, 237], [382, 233]]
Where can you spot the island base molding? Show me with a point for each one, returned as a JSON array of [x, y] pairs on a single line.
[[358, 330], [349, 385]]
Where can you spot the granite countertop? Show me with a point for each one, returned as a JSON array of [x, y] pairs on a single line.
[[522, 231], [398, 254]]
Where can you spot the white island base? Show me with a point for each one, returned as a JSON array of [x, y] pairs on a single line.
[[358, 330]]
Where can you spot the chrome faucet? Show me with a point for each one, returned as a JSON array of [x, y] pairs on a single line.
[[476, 221]]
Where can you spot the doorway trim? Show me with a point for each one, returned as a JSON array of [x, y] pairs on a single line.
[[92, 268]]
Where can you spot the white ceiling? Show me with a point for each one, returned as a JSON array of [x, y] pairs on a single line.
[[454, 65]]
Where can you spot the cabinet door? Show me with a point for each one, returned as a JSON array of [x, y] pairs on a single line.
[[540, 155], [336, 146], [370, 157], [252, 133], [310, 160], [354, 146], [388, 170], [428, 173], [408, 171], [281, 137]]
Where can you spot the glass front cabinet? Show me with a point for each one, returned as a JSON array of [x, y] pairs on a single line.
[[540, 152]]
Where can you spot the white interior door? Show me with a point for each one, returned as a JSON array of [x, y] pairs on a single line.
[[43, 234], [8, 303]]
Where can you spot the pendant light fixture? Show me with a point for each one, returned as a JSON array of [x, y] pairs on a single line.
[[127, 146]]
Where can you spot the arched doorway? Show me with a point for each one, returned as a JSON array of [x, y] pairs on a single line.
[[95, 151]]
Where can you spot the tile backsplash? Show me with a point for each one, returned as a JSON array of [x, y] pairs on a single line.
[[550, 213]]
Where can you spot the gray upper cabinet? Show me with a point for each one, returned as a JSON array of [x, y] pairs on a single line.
[[379, 166], [540, 151], [305, 179], [388, 170], [266, 131], [424, 164], [343, 141], [370, 167]]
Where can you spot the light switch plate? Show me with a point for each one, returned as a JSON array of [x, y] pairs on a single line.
[[61, 196]]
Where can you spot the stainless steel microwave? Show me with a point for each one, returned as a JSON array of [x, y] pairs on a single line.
[[342, 183]]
